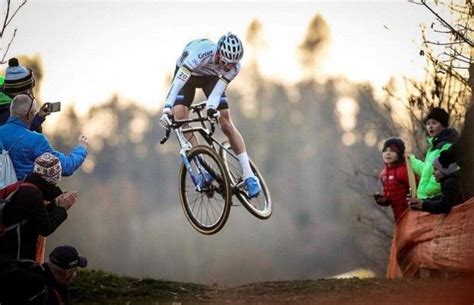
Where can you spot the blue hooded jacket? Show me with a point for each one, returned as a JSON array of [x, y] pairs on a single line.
[[30, 144]]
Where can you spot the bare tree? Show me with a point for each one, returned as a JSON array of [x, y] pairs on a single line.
[[314, 45], [456, 62], [10, 13]]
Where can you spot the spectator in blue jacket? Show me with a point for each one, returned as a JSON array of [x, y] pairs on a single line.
[[25, 145]]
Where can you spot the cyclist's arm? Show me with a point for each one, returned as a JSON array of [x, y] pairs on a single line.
[[182, 76], [193, 57], [215, 96]]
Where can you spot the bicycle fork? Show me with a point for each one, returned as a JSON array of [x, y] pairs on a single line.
[[185, 147]]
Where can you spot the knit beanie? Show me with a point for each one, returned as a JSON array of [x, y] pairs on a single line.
[[48, 167], [17, 77], [397, 145], [440, 115]]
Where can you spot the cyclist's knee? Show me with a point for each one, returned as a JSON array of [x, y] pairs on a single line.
[[180, 112]]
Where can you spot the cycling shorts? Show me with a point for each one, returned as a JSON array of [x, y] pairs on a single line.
[[206, 83]]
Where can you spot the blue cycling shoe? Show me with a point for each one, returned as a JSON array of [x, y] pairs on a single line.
[[253, 186], [204, 180]]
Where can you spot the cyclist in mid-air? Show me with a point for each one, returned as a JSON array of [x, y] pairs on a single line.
[[211, 67]]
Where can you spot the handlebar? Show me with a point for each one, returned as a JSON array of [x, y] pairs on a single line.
[[198, 107], [178, 123]]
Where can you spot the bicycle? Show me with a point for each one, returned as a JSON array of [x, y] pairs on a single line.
[[210, 174]]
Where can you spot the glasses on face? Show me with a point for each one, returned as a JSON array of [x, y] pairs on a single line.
[[226, 65], [32, 97]]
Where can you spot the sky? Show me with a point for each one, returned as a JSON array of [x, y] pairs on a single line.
[[91, 49]]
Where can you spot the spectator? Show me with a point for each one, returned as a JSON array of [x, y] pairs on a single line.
[[394, 178], [447, 173], [28, 204], [47, 284], [25, 145], [440, 138], [5, 101], [19, 80]]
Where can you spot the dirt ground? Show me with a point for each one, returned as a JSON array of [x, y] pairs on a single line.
[[98, 288], [348, 291]]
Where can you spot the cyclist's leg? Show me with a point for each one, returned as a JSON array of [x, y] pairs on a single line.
[[235, 138], [182, 104], [238, 145]]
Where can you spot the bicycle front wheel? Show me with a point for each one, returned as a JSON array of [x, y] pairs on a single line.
[[260, 206], [206, 208]]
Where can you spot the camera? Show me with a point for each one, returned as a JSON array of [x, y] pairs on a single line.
[[54, 107]]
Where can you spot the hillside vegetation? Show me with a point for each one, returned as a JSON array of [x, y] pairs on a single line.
[[96, 287]]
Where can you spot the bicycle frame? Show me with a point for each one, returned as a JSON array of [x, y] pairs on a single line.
[[206, 133], [212, 161]]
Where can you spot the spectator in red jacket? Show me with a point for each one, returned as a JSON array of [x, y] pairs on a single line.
[[394, 178]]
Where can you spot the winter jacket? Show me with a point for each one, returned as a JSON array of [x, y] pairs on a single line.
[[33, 144], [29, 203], [25, 282], [427, 186], [451, 195], [394, 178]]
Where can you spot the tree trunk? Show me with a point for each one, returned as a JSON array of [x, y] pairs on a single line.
[[466, 143]]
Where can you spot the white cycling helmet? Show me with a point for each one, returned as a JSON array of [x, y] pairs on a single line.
[[230, 48]]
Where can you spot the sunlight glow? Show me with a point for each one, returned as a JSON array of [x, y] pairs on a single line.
[[370, 138], [347, 110], [349, 138]]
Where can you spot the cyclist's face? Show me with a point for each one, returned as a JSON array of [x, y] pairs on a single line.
[[225, 66]]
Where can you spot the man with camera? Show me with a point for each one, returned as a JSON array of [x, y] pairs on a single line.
[[25, 146], [20, 80]]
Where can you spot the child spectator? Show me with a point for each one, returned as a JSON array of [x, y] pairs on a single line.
[[446, 172], [440, 138], [28, 204], [394, 178]]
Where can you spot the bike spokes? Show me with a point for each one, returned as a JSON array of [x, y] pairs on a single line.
[[260, 206], [207, 203]]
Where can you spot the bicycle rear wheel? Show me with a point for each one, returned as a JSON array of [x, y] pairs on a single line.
[[260, 206], [207, 209]]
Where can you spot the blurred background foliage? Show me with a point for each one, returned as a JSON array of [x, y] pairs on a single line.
[[317, 143]]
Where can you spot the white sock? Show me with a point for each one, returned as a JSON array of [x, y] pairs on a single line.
[[245, 164]]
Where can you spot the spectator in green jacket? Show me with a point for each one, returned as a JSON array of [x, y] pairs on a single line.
[[446, 172], [440, 138]]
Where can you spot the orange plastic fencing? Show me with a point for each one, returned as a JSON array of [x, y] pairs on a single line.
[[424, 240]]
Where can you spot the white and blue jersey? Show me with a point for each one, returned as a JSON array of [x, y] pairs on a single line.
[[197, 68], [199, 57]]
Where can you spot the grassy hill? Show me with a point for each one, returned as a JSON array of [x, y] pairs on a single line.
[[97, 287]]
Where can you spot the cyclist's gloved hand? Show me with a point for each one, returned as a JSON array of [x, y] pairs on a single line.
[[165, 119], [213, 114]]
